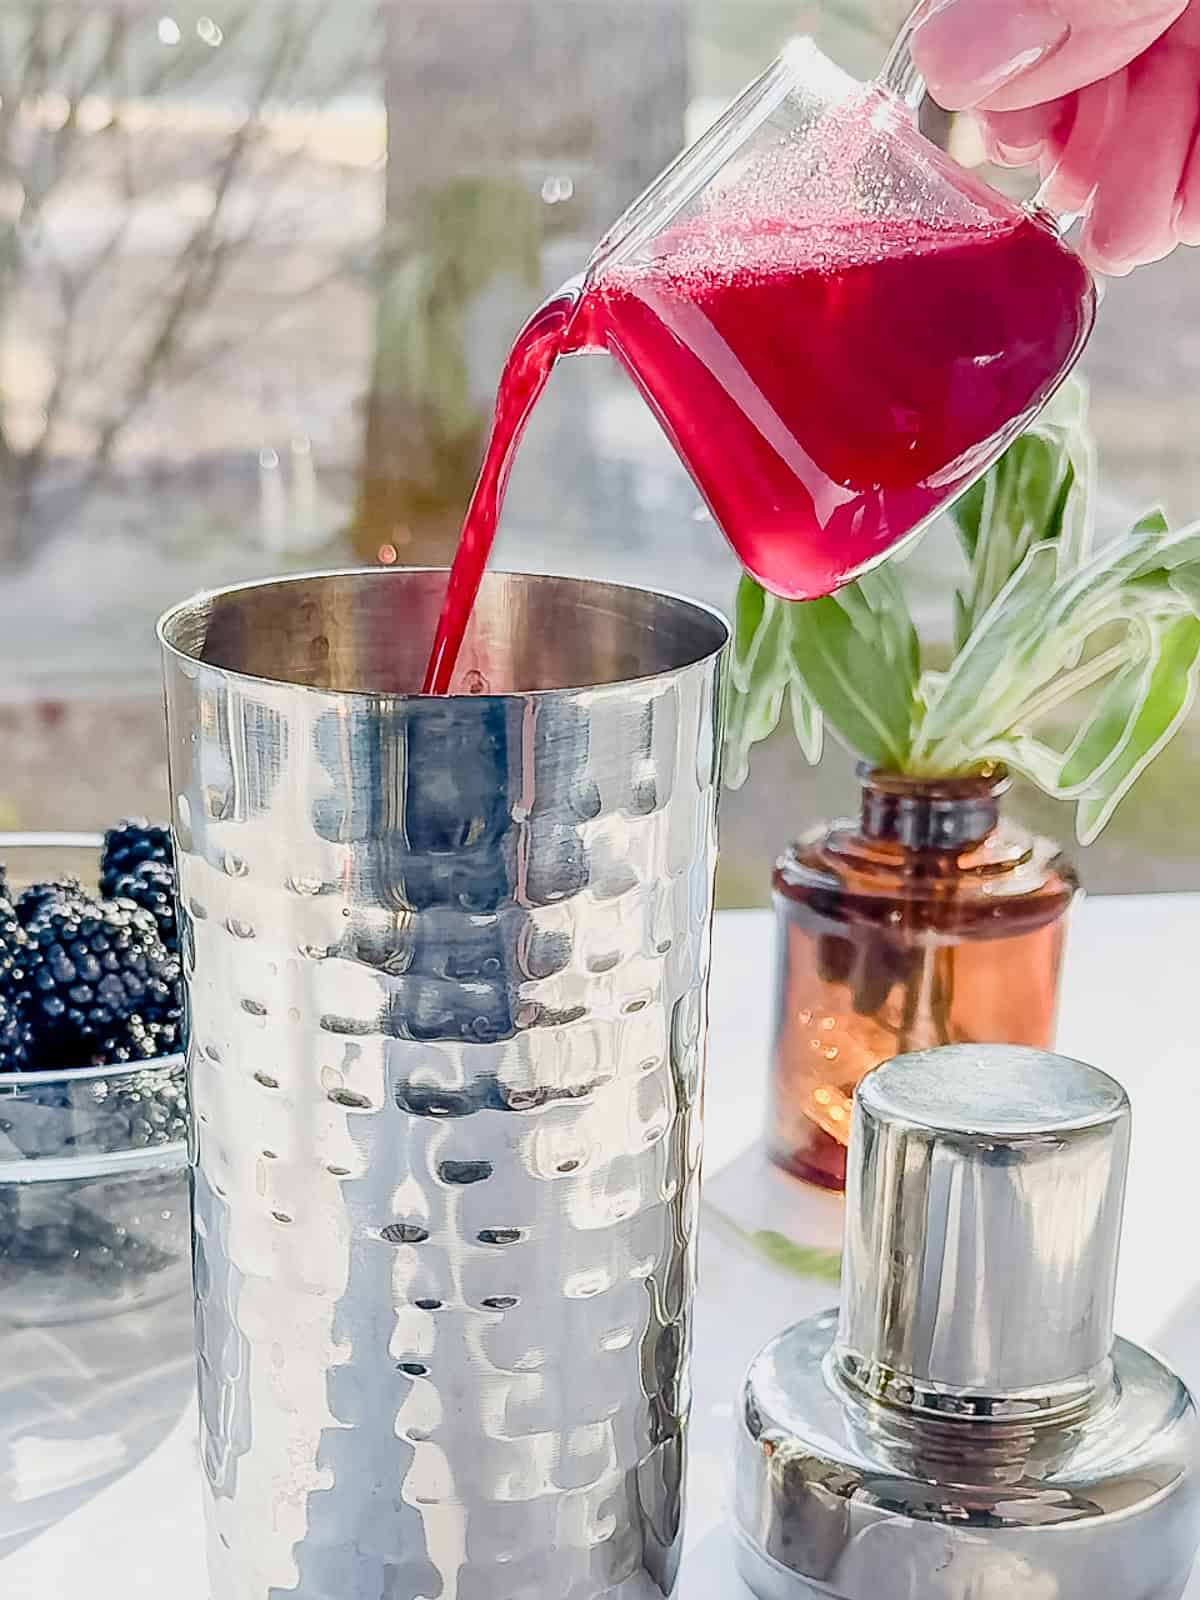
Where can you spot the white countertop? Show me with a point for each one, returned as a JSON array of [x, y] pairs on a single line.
[[1131, 967]]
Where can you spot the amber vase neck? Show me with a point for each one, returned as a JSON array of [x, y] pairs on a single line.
[[930, 813]]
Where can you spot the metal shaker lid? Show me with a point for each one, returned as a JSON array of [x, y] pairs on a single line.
[[984, 1192]]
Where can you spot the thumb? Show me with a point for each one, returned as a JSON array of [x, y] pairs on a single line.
[[1004, 55]]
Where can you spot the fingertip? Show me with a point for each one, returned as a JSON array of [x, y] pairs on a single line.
[[1135, 217], [1021, 138], [1003, 156], [1048, 163], [1071, 179], [1105, 266], [1027, 128], [1187, 228], [1187, 200], [1006, 155], [1065, 192], [970, 51], [1108, 254]]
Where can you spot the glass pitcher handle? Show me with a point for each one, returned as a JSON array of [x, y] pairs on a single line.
[[900, 77]]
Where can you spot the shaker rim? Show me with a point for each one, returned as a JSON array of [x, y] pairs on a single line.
[[898, 1092], [720, 638]]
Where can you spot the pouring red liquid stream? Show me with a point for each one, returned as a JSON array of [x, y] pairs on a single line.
[[828, 386]]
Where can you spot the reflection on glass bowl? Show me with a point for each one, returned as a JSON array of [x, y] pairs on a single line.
[[93, 1161]]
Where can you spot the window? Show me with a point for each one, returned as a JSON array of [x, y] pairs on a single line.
[[259, 264]]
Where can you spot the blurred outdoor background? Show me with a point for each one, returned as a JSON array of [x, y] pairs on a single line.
[[259, 264]]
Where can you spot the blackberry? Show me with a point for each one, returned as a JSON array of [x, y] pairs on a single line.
[[16, 1035], [15, 1032], [32, 901], [151, 885], [12, 940], [146, 1109], [129, 844], [138, 1040], [91, 967], [112, 1233], [109, 1253]]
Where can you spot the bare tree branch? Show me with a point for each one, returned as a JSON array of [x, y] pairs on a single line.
[[78, 57], [203, 258]]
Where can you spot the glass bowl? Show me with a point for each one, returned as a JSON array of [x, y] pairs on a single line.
[[93, 1161]]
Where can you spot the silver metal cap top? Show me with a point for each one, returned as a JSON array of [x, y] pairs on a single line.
[[984, 1191]]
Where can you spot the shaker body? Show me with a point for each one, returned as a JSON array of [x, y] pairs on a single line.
[[446, 962]]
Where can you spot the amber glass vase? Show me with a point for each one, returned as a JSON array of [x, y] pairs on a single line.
[[931, 920]]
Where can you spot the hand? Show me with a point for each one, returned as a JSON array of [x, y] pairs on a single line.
[[1103, 94]]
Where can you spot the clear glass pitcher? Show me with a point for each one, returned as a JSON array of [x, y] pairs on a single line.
[[838, 327]]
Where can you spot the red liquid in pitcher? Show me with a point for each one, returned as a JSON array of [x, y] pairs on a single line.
[[828, 386]]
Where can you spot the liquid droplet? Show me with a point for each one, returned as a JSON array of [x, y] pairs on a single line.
[[498, 1236], [404, 1233], [352, 1102]]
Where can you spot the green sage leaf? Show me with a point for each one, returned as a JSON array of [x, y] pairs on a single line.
[[761, 670], [962, 619], [1033, 759], [751, 715], [1077, 519], [999, 649], [1105, 733], [850, 669], [1133, 571], [1152, 522], [1044, 624], [1040, 491], [807, 721], [749, 614], [1166, 702], [1185, 582], [969, 512], [886, 618]]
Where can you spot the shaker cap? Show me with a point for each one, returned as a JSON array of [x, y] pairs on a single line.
[[985, 1187]]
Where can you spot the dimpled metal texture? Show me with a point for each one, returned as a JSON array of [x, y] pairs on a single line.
[[447, 964]]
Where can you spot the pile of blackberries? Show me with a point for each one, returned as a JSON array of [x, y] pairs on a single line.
[[93, 979]]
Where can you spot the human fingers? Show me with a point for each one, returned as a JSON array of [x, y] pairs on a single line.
[[1078, 164], [1003, 55], [1187, 201], [1133, 216], [1015, 138]]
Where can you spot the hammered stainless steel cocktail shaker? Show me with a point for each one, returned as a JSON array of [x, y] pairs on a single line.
[[446, 962], [968, 1428]]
